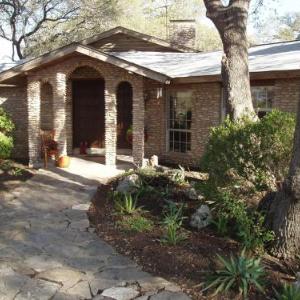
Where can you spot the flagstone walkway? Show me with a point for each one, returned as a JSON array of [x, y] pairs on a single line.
[[48, 251]]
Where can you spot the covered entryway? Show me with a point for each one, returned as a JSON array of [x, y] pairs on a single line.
[[124, 115], [88, 108]]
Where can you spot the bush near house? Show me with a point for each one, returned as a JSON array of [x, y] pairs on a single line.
[[6, 139], [246, 160]]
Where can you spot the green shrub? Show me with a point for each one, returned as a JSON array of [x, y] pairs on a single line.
[[257, 153], [6, 139], [289, 292], [238, 274], [136, 223]]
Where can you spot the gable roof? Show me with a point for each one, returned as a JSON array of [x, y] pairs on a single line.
[[80, 49], [138, 35]]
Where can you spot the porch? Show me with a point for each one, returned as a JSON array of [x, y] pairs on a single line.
[[90, 103]]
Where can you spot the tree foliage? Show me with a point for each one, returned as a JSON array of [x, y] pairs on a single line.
[[21, 19]]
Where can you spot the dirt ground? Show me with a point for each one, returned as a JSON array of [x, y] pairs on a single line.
[[186, 264]]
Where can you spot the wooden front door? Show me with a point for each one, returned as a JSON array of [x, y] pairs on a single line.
[[124, 114], [88, 113]]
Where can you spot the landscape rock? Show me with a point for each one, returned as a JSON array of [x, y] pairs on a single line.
[[166, 295], [201, 218], [153, 162], [129, 184], [121, 293], [192, 194]]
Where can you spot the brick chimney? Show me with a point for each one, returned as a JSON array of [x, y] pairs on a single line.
[[183, 32]]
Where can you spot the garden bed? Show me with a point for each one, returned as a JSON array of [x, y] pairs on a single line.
[[187, 263]]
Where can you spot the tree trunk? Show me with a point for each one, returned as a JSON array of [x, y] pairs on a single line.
[[284, 214], [231, 22]]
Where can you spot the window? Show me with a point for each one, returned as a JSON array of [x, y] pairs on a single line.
[[262, 97], [180, 121]]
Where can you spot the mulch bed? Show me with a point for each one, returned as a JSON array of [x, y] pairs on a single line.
[[186, 264]]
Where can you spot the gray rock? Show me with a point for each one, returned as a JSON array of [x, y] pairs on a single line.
[[121, 293], [201, 218], [157, 283], [81, 289], [192, 194], [153, 162], [128, 184], [81, 225], [66, 276], [10, 283], [166, 295], [38, 290]]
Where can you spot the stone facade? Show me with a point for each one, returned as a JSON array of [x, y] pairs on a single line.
[[27, 105], [14, 101], [59, 77]]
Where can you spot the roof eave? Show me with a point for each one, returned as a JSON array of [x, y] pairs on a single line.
[[77, 48]]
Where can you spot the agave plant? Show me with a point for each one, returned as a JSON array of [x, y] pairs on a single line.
[[238, 274], [289, 292]]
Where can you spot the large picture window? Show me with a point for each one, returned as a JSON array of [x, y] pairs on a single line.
[[263, 97], [180, 121]]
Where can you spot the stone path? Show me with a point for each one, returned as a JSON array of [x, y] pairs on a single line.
[[48, 251]]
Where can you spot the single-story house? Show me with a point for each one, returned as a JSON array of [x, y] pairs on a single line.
[[170, 95]]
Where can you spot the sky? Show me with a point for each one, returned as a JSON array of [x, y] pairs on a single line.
[[284, 6]]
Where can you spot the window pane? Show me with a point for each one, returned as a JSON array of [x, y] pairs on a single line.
[[262, 97], [180, 121]]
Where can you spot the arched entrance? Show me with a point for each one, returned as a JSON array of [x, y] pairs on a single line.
[[47, 114], [88, 108], [124, 115]]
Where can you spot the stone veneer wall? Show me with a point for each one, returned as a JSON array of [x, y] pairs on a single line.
[[14, 101], [47, 115], [206, 114], [58, 76]]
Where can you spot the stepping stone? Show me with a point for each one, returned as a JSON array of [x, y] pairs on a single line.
[[38, 290], [66, 276], [166, 295], [81, 289], [121, 293], [10, 283]]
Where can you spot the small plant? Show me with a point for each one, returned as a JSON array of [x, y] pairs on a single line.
[[221, 224], [239, 274], [179, 176], [136, 223], [289, 292], [173, 236], [172, 222], [173, 214], [126, 203]]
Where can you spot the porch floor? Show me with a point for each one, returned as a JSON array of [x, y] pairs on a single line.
[[92, 167]]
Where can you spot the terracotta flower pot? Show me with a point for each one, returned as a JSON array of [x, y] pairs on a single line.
[[63, 161]]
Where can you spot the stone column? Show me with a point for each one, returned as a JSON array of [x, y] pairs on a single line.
[[34, 116], [110, 124], [138, 124], [59, 102]]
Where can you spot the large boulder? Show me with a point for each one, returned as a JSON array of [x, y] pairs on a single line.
[[128, 184], [201, 218]]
